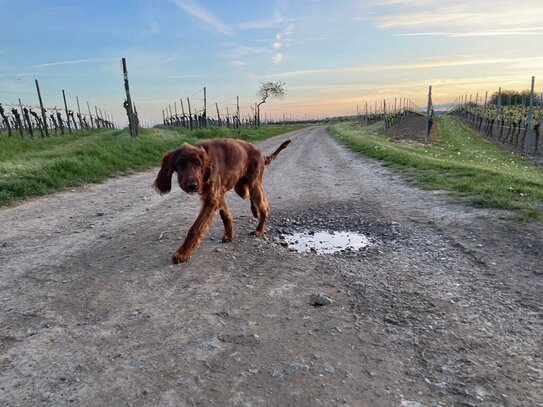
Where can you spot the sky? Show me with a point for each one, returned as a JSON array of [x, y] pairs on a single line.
[[332, 55]]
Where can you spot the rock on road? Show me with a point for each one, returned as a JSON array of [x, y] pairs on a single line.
[[443, 309]]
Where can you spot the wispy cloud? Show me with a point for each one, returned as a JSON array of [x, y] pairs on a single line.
[[282, 39], [75, 62], [423, 64], [277, 18], [239, 63], [483, 15], [535, 31], [204, 15], [237, 51], [260, 24], [277, 58]]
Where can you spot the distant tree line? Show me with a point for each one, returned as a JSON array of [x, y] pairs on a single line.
[[516, 98]]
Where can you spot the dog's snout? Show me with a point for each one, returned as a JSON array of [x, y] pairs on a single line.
[[192, 185]]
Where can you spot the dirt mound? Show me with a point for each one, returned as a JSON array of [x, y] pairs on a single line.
[[409, 129]]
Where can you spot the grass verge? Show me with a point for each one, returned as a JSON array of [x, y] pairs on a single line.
[[461, 162], [36, 167]]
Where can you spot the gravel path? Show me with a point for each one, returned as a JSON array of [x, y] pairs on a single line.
[[444, 308]]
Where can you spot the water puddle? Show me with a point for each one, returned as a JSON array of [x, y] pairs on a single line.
[[324, 242]]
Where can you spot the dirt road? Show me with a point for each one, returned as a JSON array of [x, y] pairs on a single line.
[[444, 309]]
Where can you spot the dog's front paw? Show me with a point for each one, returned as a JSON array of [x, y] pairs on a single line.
[[257, 233], [226, 239], [179, 257]]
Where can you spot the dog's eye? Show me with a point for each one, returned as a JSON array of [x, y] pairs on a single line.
[[196, 163]]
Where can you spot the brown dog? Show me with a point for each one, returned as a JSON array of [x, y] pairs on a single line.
[[210, 168]]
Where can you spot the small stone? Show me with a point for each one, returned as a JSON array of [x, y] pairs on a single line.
[[99, 213], [133, 363], [182, 380], [292, 368], [329, 369], [313, 356], [319, 300], [218, 250]]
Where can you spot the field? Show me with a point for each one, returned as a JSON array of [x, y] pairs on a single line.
[[460, 161], [40, 166]]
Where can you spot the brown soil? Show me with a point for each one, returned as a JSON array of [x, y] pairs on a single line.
[[410, 129]]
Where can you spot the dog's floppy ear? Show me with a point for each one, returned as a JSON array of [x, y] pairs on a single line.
[[206, 163], [163, 181]]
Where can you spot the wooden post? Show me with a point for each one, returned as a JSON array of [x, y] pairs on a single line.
[[528, 135], [428, 116], [190, 113], [185, 124], [131, 122], [218, 115], [90, 115], [66, 111], [22, 115], [163, 118], [495, 128], [205, 108], [97, 117], [79, 114], [385, 113], [237, 112], [43, 115]]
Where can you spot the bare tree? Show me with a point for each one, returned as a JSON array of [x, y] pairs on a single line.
[[269, 90]]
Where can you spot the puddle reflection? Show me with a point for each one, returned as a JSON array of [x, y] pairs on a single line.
[[324, 242]]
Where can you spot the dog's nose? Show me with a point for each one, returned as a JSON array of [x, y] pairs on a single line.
[[192, 185]]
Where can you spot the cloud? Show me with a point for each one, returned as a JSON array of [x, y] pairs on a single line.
[[277, 58], [238, 63], [203, 15], [282, 38], [452, 61], [238, 51], [77, 61], [260, 24], [535, 31], [483, 15]]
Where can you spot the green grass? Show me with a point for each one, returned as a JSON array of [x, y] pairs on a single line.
[[244, 133], [36, 167], [461, 162]]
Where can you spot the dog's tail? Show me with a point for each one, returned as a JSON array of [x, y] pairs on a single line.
[[268, 159]]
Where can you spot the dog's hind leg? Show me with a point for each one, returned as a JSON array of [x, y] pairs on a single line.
[[261, 202], [254, 209], [242, 189]]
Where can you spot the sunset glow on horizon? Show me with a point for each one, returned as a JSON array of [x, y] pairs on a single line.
[[332, 55]]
